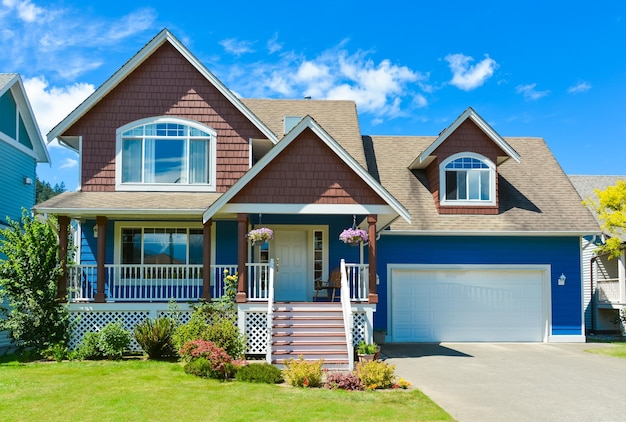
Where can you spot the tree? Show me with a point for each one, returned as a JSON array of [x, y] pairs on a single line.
[[44, 191], [29, 270], [610, 206]]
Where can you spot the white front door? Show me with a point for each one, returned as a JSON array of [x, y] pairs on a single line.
[[290, 254]]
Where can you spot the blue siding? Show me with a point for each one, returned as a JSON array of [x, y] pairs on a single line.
[[8, 110], [561, 253], [14, 166]]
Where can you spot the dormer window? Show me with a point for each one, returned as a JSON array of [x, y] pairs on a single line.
[[468, 179], [165, 154]]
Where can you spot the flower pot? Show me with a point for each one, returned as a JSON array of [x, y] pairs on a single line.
[[366, 358]]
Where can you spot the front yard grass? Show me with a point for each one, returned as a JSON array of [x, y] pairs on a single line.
[[141, 390], [618, 350]]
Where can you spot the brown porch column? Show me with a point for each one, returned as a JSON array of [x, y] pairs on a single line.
[[206, 261], [242, 257], [101, 223], [371, 258], [64, 222]]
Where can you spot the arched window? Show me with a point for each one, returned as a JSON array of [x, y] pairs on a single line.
[[468, 179], [165, 153]]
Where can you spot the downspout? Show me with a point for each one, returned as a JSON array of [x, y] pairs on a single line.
[[593, 300]]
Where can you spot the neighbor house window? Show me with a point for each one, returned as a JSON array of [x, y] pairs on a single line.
[[161, 245], [166, 153], [467, 179]]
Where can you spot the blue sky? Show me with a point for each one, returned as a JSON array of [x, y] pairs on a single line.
[[550, 69]]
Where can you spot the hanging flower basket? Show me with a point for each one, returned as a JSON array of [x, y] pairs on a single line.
[[260, 235], [353, 236]]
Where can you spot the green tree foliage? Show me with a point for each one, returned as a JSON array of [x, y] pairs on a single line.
[[610, 205], [43, 190], [29, 270]]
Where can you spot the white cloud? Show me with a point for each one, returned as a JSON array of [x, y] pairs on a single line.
[[529, 92], [237, 47], [578, 88], [69, 163], [26, 11], [63, 42], [52, 104], [380, 88], [273, 45], [467, 77]]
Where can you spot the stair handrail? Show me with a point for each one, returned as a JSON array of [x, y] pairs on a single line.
[[270, 312], [347, 314]]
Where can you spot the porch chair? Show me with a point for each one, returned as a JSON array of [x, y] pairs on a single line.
[[333, 283]]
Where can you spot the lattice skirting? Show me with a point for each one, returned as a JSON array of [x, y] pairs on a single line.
[[84, 321], [256, 332], [359, 329]]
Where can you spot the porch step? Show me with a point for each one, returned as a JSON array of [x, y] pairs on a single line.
[[311, 330]]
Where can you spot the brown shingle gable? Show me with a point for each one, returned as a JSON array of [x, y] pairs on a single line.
[[307, 172], [165, 84]]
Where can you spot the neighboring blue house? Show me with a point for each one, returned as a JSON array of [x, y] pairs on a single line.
[[471, 236], [21, 148]]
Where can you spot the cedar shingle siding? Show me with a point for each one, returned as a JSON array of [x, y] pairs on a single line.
[[165, 84], [307, 172]]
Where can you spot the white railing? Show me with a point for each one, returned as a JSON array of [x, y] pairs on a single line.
[[258, 281], [347, 315], [607, 291], [145, 283], [358, 280], [270, 313]]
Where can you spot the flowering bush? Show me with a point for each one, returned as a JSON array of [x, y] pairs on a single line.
[[341, 381], [402, 383], [260, 235], [353, 236], [220, 364]]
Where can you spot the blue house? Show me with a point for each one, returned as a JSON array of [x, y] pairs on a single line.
[[464, 236], [21, 148]]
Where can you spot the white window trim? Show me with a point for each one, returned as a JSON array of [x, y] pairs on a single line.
[[465, 203], [166, 187]]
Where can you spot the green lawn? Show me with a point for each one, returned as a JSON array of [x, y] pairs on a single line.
[[618, 350], [137, 390]]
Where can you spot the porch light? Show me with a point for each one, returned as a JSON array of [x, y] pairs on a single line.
[[95, 231], [561, 280]]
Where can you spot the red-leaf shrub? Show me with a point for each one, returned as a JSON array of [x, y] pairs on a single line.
[[221, 363]]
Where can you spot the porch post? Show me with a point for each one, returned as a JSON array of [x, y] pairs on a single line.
[[64, 222], [101, 222], [206, 261], [242, 257], [371, 258], [621, 276]]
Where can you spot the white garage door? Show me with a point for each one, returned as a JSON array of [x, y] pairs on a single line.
[[476, 304]]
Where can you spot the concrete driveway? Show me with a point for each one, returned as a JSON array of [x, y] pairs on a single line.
[[515, 382]]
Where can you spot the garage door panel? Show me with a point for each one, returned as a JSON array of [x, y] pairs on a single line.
[[467, 305]]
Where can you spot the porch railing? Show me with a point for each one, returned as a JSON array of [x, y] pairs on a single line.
[[357, 276], [145, 283], [608, 291], [348, 321], [258, 281]]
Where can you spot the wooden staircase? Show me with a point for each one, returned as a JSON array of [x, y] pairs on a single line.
[[312, 330]]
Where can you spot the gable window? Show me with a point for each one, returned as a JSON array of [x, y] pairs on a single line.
[[165, 154], [467, 179]]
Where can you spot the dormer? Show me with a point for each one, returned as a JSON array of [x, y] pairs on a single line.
[[462, 166]]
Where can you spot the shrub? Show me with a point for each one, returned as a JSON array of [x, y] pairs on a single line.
[[57, 351], [89, 348], [114, 340], [260, 372], [221, 364], [302, 373], [155, 336], [199, 367], [343, 381], [376, 374], [215, 324]]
